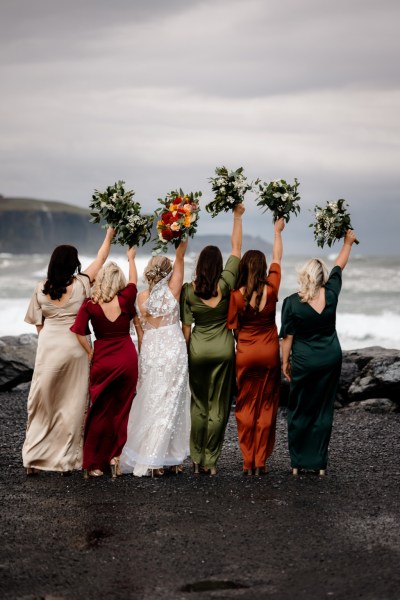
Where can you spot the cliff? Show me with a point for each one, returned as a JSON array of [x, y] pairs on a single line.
[[37, 226]]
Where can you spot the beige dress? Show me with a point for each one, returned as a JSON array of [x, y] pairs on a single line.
[[58, 397]]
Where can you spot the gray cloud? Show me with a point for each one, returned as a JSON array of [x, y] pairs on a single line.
[[159, 93]]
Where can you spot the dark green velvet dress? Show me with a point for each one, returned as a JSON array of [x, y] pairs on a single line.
[[315, 369], [211, 367]]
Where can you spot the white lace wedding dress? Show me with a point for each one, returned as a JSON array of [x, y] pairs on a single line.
[[159, 421]]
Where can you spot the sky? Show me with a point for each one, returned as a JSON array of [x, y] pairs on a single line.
[[159, 93]]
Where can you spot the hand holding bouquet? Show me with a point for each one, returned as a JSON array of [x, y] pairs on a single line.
[[279, 197], [331, 223], [229, 188], [116, 207], [177, 219]]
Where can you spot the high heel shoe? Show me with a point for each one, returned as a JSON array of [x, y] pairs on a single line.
[[213, 471], [322, 472], [248, 472], [32, 471], [115, 467], [157, 472], [260, 471], [196, 468], [295, 472], [176, 469], [92, 473]]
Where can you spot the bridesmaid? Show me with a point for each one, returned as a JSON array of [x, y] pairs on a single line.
[[211, 347], [251, 314], [311, 359], [114, 370], [58, 395]]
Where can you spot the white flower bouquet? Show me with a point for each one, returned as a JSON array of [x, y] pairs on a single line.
[[177, 219], [279, 197], [116, 207], [229, 188], [331, 223]]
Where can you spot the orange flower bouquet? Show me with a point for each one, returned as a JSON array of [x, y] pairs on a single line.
[[177, 219]]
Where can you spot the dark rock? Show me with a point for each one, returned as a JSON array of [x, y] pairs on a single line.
[[17, 359], [374, 405]]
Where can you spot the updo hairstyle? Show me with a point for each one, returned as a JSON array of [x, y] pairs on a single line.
[[157, 268], [312, 276]]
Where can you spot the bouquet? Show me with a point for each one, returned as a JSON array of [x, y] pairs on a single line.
[[279, 197], [331, 223], [229, 188], [116, 207], [177, 219]]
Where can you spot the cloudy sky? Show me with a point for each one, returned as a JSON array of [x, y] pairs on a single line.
[[160, 92]]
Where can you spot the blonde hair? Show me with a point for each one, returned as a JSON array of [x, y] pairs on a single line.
[[312, 276], [157, 268], [109, 281]]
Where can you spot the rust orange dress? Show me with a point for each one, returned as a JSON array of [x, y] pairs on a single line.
[[258, 372]]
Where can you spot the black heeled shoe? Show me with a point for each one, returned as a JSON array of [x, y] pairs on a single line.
[[248, 472]]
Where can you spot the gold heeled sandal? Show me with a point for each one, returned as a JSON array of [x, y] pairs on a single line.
[[157, 472], [295, 472], [213, 471], [115, 467], [322, 472], [92, 473], [32, 471]]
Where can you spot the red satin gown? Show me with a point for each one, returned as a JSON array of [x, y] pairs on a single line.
[[113, 379], [258, 372]]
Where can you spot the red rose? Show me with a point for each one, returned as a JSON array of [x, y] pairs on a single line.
[[180, 212], [167, 234], [167, 218]]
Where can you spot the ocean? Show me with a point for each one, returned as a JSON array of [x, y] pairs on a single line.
[[368, 312]]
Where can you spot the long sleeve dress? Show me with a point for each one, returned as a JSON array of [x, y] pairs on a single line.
[[58, 396], [113, 378], [258, 372], [159, 422], [211, 367], [315, 370]]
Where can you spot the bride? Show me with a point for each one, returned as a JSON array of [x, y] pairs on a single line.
[[159, 421]]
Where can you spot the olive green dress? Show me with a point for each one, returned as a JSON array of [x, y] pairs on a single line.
[[315, 369], [211, 367]]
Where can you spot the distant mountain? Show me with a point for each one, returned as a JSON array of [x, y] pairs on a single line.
[[31, 226]]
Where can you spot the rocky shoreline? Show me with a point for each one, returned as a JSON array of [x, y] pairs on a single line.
[[370, 377]]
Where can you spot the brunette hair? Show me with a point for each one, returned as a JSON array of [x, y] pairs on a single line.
[[64, 262], [208, 271], [312, 276], [157, 268], [109, 281], [252, 276]]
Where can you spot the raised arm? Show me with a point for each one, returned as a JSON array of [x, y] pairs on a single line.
[[131, 254], [102, 255], [237, 233], [176, 281], [344, 253], [277, 249]]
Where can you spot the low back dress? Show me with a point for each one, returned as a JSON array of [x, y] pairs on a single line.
[[58, 397], [316, 361], [258, 372], [113, 378], [211, 367], [159, 422]]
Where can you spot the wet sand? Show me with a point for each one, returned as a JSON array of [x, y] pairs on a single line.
[[191, 537]]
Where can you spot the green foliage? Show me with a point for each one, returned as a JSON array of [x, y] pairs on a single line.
[[229, 188], [280, 198], [331, 223]]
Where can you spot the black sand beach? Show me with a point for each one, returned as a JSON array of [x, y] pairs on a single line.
[[192, 536]]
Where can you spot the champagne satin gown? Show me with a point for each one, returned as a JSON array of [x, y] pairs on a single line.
[[258, 372], [58, 397]]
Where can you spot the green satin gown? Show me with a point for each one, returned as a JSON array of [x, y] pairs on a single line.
[[315, 370], [211, 367]]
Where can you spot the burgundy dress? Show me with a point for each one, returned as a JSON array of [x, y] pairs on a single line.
[[113, 379]]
